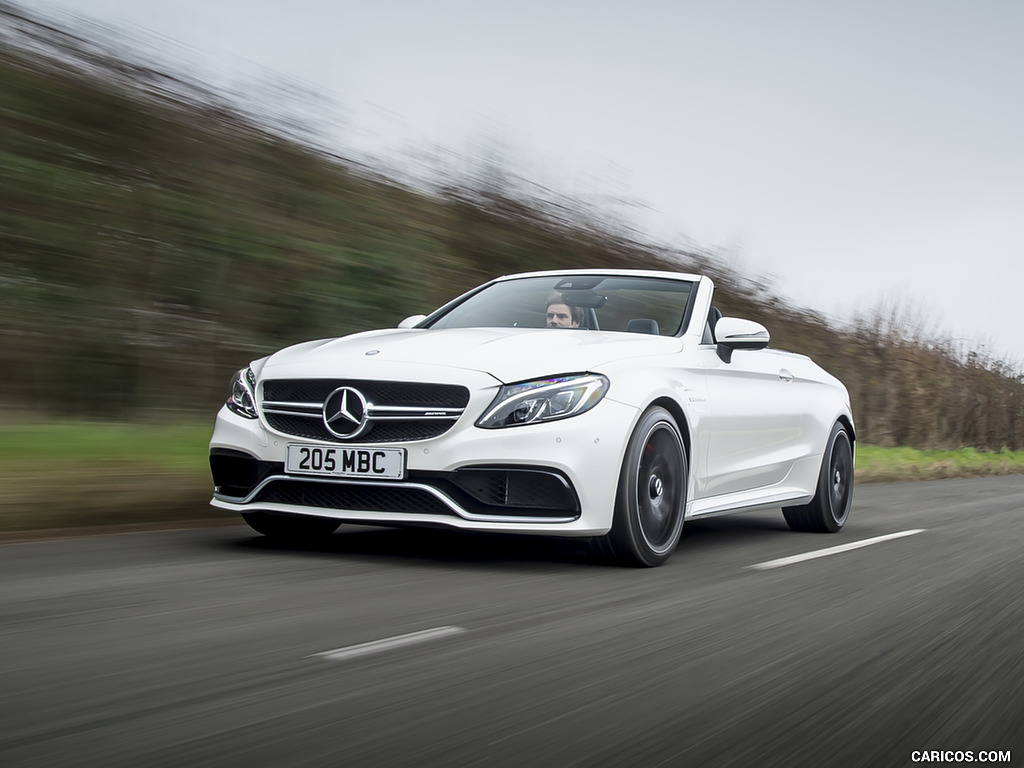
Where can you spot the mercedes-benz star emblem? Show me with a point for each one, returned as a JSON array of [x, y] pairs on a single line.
[[345, 412]]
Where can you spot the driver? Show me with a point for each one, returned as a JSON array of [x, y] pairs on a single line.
[[560, 314]]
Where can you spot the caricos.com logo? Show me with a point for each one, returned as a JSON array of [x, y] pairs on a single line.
[[959, 756]]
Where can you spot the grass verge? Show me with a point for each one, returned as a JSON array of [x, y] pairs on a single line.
[[73, 475], [89, 475], [882, 465]]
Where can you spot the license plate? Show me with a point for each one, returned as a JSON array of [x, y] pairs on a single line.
[[383, 463]]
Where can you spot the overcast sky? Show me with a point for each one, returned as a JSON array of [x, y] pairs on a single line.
[[859, 152]]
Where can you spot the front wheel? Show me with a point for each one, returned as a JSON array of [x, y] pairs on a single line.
[[830, 507], [651, 498]]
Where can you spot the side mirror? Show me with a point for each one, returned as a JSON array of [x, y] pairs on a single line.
[[732, 333], [412, 321]]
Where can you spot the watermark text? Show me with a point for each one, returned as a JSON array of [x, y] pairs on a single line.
[[959, 756]]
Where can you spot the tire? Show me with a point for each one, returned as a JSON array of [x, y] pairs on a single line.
[[829, 510], [284, 527], [651, 497]]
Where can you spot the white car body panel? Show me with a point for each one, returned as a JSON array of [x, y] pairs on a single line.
[[507, 354]]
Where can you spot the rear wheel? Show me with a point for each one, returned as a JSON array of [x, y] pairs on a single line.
[[830, 507], [290, 527], [651, 496]]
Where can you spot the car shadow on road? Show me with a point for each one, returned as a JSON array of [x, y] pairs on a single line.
[[444, 546], [431, 546], [737, 527]]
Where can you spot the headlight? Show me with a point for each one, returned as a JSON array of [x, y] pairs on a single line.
[[243, 394], [544, 400]]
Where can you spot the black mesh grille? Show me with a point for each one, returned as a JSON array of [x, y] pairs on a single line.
[[394, 431], [379, 432], [517, 488], [369, 498], [236, 473], [377, 392], [500, 493], [299, 426]]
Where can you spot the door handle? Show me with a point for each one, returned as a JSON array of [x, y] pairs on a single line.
[[786, 375]]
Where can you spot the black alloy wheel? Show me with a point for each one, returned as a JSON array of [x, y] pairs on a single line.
[[830, 508], [651, 498]]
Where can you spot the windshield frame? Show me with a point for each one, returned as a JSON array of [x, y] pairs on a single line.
[[682, 281]]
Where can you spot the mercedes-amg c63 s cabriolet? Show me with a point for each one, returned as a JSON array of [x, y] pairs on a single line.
[[608, 404]]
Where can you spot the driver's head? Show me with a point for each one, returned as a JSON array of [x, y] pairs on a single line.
[[561, 315]]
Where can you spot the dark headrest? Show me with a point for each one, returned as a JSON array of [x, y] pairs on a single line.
[[642, 325]]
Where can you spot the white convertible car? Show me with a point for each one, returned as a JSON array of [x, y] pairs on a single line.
[[610, 404]]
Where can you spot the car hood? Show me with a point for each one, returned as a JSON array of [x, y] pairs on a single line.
[[507, 354]]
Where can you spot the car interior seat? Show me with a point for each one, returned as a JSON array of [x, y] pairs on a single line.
[[642, 325]]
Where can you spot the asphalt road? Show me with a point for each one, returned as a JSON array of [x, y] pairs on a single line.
[[201, 647]]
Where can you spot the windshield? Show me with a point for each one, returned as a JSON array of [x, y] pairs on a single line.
[[634, 304]]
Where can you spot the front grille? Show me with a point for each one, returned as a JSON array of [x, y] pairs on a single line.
[[397, 431], [380, 432], [366, 498], [299, 426], [295, 407], [410, 393]]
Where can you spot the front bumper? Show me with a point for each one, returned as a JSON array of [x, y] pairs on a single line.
[[557, 478]]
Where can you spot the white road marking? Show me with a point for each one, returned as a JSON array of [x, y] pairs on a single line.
[[831, 550], [387, 644]]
